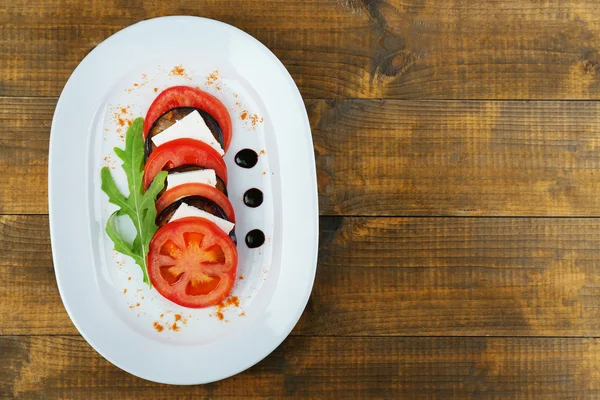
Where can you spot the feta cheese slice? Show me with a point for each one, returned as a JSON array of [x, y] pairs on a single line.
[[207, 176], [191, 126], [185, 210]]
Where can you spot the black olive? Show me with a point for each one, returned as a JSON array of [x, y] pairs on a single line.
[[253, 197], [255, 238], [246, 158]]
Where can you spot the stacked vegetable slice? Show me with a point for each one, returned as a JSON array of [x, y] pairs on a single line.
[[192, 258]]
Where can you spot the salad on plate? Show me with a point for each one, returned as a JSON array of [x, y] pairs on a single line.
[[185, 241]]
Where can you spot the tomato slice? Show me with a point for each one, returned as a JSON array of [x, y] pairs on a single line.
[[196, 189], [183, 152], [185, 96], [192, 262]]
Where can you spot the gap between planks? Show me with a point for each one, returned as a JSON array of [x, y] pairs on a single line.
[[394, 216], [449, 100]]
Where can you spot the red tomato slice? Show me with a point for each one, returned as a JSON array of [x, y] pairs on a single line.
[[183, 152], [196, 189], [185, 96], [192, 262]]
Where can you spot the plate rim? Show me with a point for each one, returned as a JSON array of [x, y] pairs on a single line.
[[53, 224]]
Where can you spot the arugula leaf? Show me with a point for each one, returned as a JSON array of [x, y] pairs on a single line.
[[139, 206]]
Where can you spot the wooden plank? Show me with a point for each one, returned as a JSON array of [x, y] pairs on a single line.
[[506, 49], [456, 276], [394, 157], [357, 368], [457, 158], [25, 130], [30, 300], [385, 277]]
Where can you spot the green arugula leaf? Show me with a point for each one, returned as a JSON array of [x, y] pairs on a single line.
[[139, 206]]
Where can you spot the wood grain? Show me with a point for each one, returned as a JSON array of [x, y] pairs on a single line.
[[385, 277], [457, 158], [409, 301], [30, 300], [25, 131], [421, 158], [456, 276], [417, 49], [316, 368]]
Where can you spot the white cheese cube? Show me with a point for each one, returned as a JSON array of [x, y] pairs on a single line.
[[206, 176], [191, 126], [185, 210]]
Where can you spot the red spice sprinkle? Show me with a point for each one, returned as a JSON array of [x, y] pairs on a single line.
[[162, 315], [243, 314], [121, 122], [254, 119], [178, 70], [220, 315], [244, 115], [129, 278], [124, 110], [177, 317], [262, 153], [213, 77], [155, 89], [158, 327], [174, 327], [241, 277], [137, 304], [124, 291], [234, 300]]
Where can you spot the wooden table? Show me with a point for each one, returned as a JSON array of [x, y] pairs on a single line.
[[458, 158]]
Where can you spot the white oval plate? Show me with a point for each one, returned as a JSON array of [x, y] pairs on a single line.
[[102, 291]]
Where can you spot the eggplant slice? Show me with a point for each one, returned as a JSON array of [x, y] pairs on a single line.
[[200, 203], [165, 121], [175, 114]]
